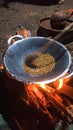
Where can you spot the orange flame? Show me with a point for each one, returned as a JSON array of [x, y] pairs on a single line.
[[69, 10], [23, 32], [60, 84], [38, 95], [35, 94], [1, 67]]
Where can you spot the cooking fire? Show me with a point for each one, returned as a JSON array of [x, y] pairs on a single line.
[[49, 100], [54, 101]]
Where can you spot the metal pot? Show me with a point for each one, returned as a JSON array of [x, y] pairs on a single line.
[[15, 56]]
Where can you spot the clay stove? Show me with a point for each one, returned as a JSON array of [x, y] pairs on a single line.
[[42, 106]]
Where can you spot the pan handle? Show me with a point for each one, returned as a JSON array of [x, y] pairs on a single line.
[[10, 40], [26, 34], [71, 72]]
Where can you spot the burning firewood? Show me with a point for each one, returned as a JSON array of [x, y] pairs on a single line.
[[20, 31], [24, 32]]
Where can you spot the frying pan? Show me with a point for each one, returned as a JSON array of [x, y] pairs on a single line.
[[16, 53]]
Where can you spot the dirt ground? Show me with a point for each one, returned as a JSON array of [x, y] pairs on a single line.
[[21, 13]]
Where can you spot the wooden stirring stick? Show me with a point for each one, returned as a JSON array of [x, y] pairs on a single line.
[[34, 55], [48, 44]]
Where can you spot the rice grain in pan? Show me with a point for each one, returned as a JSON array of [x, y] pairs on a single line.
[[44, 63]]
